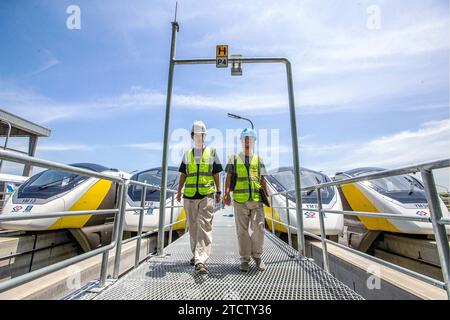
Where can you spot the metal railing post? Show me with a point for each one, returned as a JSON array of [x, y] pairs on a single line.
[[104, 267], [141, 222], [288, 221], [172, 203], [162, 201], [323, 234], [440, 232], [123, 206], [296, 160], [105, 255], [272, 209]]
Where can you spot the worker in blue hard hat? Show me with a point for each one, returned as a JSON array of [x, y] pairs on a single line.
[[245, 178]]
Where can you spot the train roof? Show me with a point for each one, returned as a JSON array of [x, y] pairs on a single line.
[[93, 166], [170, 168], [281, 169], [358, 171]]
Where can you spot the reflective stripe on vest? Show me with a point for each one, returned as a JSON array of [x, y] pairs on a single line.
[[247, 186], [203, 178]]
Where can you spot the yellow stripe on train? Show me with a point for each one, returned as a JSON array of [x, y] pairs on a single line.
[[276, 217], [359, 202], [90, 200]]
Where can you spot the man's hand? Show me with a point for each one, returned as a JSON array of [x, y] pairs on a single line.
[[227, 199], [179, 196], [217, 197]]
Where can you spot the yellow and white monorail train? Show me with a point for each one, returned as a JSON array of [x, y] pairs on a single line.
[[402, 195], [281, 180], [54, 191], [152, 200]]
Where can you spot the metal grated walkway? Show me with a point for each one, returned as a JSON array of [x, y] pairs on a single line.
[[172, 277]]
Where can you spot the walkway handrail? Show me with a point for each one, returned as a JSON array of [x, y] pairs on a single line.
[[385, 173], [118, 224], [439, 164], [436, 217], [119, 217]]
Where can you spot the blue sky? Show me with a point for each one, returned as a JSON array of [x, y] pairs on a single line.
[[364, 96]]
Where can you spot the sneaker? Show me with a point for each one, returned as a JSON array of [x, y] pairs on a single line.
[[259, 264], [244, 266], [192, 261], [200, 268]]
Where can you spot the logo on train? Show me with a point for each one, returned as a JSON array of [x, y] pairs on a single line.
[[310, 214], [422, 213], [17, 208], [10, 188]]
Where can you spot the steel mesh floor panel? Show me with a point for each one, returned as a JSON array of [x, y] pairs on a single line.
[[172, 277]]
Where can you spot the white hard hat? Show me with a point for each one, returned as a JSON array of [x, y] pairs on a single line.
[[198, 127]]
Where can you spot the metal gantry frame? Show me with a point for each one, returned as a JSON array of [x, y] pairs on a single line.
[[119, 219], [436, 218], [296, 158]]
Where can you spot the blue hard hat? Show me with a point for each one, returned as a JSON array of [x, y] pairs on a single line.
[[248, 133]]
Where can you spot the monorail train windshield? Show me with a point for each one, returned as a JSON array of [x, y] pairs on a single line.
[[52, 182], [283, 179], [153, 177], [403, 188]]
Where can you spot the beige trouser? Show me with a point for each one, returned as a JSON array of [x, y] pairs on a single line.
[[249, 214], [200, 216]]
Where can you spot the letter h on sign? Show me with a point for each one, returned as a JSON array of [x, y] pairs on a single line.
[[222, 51]]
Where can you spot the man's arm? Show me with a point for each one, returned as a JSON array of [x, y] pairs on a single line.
[[217, 182], [263, 183], [262, 180], [230, 172], [227, 198], [218, 191], [180, 186]]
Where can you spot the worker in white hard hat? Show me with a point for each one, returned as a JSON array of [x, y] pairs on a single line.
[[245, 178], [199, 174]]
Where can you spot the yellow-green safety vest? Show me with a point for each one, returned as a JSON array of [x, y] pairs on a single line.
[[201, 179], [247, 182]]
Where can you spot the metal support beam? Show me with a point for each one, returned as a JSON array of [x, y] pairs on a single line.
[[27, 169], [323, 233], [121, 223], [162, 200], [6, 139], [439, 229], [294, 134], [105, 255], [141, 223], [296, 160]]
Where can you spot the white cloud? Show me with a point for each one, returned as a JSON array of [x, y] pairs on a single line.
[[64, 147], [428, 143], [48, 61], [338, 64], [155, 146], [327, 35]]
